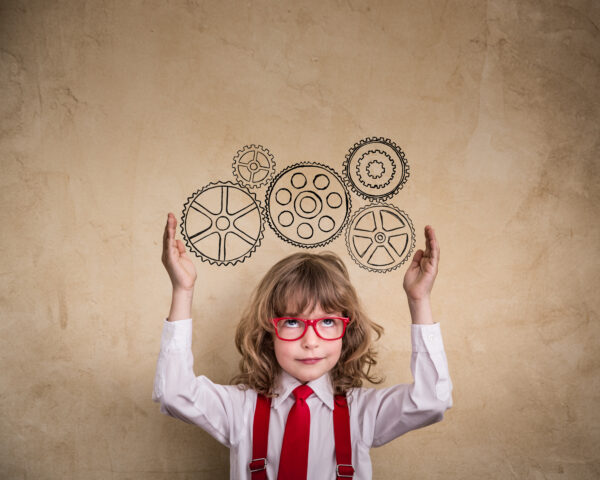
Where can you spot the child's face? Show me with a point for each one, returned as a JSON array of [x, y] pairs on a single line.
[[293, 356]]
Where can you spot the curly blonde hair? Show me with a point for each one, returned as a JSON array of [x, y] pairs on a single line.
[[309, 279]]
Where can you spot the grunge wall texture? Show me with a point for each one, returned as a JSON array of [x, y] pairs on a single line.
[[113, 113]]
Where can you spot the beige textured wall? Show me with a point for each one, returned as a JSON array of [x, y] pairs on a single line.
[[113, 112]]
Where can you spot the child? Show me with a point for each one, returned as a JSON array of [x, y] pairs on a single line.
[[304, 327]]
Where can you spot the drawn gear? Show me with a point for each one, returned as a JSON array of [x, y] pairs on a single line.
[[253, 166], [380, 237], [222, 223], [307, 204], [375, 169], [363, 172]]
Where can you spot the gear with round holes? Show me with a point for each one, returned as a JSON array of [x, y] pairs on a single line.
[[380, 237], [222, 223], [376, 168], [253, 166], [307, 204]]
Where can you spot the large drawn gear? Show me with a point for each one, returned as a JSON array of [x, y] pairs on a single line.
[[307, 204], [253, 166], [364, 175], [222, 223], [380, 237]]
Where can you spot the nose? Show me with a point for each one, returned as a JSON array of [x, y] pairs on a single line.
[[310, 339]]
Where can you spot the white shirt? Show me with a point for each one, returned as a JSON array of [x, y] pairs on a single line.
[[377, 415]]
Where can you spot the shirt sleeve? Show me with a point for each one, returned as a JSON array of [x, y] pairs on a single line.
[[387, 413], [195, 400]]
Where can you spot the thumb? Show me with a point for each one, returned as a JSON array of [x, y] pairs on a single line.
[[180, 247], [416, 261]]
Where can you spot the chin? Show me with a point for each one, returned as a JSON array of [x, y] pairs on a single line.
[[309, 376]]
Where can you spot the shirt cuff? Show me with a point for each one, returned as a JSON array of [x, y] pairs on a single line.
[[176, 336], [426, 338]]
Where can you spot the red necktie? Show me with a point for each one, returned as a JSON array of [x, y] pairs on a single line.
[[293, 463]]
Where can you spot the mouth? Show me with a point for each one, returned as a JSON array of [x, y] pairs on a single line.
[[310, 361]]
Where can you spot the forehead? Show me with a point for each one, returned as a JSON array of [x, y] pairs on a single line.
[[307, 294], [309, 311]]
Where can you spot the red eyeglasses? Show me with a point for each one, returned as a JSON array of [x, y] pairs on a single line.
[[293, 328]]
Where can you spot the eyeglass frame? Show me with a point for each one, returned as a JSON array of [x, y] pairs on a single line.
[[310, 323]]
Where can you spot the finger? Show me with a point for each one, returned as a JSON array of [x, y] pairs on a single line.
[[166, 234], [171, 223], [427, 253], [169, 246], [435, 245]]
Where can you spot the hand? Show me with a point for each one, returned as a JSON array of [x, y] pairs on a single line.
[[179, 266], [421, 273]]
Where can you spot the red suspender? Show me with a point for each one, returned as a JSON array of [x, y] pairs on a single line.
[[341, 432], [260, 438]]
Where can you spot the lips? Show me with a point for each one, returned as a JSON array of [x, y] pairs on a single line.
[[310, 361]]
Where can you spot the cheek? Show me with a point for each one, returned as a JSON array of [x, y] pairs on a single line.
[[277, 349], [281, 350], [336, 350]]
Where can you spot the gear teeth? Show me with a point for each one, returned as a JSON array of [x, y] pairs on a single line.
[[211, 260], [268, 209], [367, 182], [265, 154], [404, 216], [356, 188]]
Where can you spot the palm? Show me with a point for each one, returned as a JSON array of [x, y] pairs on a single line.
[[184, 267], [179, 266], [421, 273]]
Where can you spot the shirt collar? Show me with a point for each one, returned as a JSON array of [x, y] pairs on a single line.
[[286, 384]]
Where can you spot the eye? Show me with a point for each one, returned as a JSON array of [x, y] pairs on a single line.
[[328, 322], [291, 323]]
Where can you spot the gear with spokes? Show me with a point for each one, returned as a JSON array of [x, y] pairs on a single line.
[[222, 223], [253, 166], [380, 237], [376, 168]]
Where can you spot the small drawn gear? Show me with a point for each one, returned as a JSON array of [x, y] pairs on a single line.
[[375, 169], [307, 205], [380, 237], [360, 163], [222, 223], [253, 166]]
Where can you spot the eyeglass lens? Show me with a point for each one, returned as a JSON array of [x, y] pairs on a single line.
[[293, 328]]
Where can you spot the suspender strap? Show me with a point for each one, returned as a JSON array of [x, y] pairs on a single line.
[[341, 431], [260, 438]]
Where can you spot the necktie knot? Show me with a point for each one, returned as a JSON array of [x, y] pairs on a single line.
[[302, 392]]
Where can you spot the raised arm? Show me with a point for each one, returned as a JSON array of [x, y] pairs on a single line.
[[181, 270], [195, 400], [387, 413]]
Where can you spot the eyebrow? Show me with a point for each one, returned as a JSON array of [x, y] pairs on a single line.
[[299, 314]]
